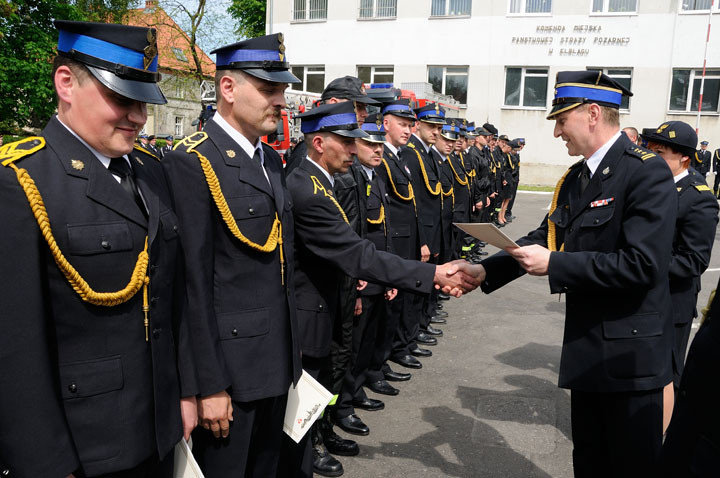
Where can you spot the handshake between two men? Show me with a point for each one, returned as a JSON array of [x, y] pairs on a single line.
[[460, 277]]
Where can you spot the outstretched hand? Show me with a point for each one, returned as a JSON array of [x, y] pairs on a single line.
[[459, 277], [534, 259]]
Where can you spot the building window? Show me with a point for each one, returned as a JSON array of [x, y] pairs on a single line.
[[312, 78], [526, 87], [179, 90], [378, 9], [614, 6], [685, 90], [178, 126], [179, 54], [450, 8], [309, 10], [697, 5], [450, 80], [376, 74], [530, 6], [622, 76]]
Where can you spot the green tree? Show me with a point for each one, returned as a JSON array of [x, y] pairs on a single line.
[[28, 43], [249, 16]]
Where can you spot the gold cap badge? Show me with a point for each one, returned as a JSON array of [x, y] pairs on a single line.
[[150, 51]]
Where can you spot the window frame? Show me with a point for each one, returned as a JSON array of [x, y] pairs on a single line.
[[682, 11], [688, 108], [306, 18], [305, 76], [444, 82], [373, 72], [181, 124], [605, 71], [523, 14], [605, 13], [447, 12], [523, 75], [375, 17]]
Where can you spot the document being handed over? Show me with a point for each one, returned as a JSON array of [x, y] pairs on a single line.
[[305, 404], [487, 232]]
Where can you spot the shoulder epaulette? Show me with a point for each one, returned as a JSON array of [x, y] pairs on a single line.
[[643, 154], [13, 152], [143, 150], [410, 145], [189, 143], [702, 187]]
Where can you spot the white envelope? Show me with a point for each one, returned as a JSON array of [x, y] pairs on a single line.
[[305, 404], [185, 464]]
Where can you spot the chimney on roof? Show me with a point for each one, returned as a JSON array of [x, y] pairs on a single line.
[[150, 4]]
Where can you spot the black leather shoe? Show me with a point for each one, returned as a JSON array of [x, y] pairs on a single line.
[[430, 330], [437, 320], [383, 388], [425, 339], [508, 219], [353, 424], [324, 464], [441, 314], [334, 443], [407, 361], [443, 296], [418, 352], [393, 376], [370, 404], [439, 306]]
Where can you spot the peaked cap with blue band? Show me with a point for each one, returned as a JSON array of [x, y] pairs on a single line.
[[374, 128], [431, 113], [263, 57], [123, 58], [451, 129], [676, 134], [471, 129], [575, 88], [338, 118], [399, 108]]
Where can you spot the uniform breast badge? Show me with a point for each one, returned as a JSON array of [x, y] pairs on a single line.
[[77, 164], [230, 153]]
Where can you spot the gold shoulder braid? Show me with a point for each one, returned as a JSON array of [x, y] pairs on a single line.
[[451, 191], [438, 187], [552, 235], [411, 194], [457, 177], [9, 154], [317, 185], [274, 238]]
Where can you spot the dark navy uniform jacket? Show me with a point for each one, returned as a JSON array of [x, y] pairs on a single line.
[[462, 208], [327, 247], [617, 240], [81, 387], [701, 161], [448, 201], [428, 204], [241, 316]]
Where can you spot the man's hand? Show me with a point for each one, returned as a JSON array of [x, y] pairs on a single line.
[[215, 413], [493, 194], [534, 259], [479, 205], [188, 412], [390, 294], [458, 277], [504, 183], [424, 253], [487, 201], [358, 306], [361, 284]]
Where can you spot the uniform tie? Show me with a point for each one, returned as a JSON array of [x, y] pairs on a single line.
[[120, 167], [258, 159], [584, 177]]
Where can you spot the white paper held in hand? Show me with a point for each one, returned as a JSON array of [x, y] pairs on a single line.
[[487, 232], [305, 404], [185, 464]]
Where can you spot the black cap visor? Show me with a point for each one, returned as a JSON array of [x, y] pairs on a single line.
[[432, 119], [367, 100], [449, 135], [375, 137], [402, 114], [146, 92], [275, 76], [350, 133]]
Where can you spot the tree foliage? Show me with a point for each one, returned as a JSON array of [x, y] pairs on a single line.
[[249, 16], [28, 43]]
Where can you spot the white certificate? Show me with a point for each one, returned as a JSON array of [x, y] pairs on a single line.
[[305, 404], [487, 232], [185, 464]]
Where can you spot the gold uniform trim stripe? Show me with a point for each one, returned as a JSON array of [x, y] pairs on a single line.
[[585, 85]]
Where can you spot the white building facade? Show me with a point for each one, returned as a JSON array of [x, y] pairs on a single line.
[[499, 57]]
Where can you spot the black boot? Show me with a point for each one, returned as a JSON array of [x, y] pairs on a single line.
[[324, 464]]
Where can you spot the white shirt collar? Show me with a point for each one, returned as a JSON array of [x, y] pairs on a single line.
[[101, 157], [241, 140], [392, 148], [427, 148], [681, 175], [327, 175], [442, 156], [594, 161], [369, 171]]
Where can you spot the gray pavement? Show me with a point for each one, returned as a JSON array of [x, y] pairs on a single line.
[[487, 403]]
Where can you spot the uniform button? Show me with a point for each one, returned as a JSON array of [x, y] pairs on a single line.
[[251, 211], [320, 307], [175, 228], [418, 283], [105, 245], [156, 333], [152, 270], [153, 301], [596, 221], [72, 388], [634, 331], [572, 229], [234, 332]]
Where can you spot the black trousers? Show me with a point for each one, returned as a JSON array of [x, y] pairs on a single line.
[[342, 336], [717, 183], [153, 467], [616, 434], [410, 313], [682, 335], [252, 449], [516, 183], [366, 334], [386, 329]]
